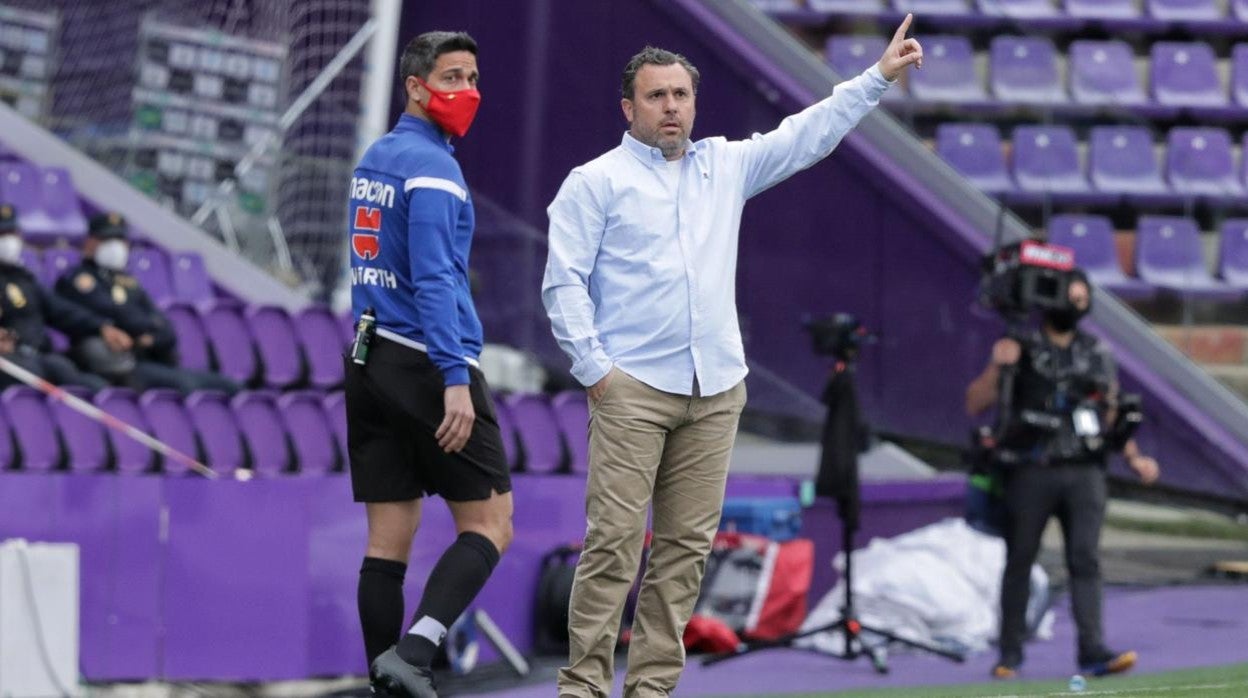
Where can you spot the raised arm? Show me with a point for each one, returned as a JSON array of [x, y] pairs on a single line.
[[807, 137]]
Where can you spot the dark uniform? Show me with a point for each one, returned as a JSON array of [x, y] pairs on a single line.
[[1049, 473], [119, 297], [412, 229], [26, 309]]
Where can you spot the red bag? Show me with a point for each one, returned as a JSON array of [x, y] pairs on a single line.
[[755, 586]]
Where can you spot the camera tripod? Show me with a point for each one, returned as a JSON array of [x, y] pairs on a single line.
[[847, 507]]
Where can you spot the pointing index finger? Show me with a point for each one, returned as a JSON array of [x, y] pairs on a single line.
[[901, 30]]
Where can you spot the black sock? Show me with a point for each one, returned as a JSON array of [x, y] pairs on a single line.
[[452, 585], [380, 598]]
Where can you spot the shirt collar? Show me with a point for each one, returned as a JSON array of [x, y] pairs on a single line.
[[651, 155], [414, 124]]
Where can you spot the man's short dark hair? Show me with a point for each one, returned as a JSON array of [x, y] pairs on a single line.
[[421, 53], [654, 56]]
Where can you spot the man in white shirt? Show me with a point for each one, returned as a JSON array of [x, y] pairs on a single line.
[[640, 290]]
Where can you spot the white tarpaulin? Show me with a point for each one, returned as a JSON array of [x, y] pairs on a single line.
[[940, 584]]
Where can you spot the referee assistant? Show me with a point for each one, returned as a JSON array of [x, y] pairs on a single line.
[[419, 416]]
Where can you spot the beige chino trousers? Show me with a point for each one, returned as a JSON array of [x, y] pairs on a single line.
[[646, 446]]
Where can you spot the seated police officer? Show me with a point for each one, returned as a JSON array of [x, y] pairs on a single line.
[[100, 283], [26, 309], [1052, 457]]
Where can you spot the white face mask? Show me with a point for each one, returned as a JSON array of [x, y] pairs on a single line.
[[113, 254], [11, 248]]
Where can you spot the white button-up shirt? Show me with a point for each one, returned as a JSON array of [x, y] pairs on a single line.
[[642, 275]]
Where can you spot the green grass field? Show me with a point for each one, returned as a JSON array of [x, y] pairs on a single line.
[[1214, 682]]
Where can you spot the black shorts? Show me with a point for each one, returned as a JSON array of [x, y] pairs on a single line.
[[395, 403]]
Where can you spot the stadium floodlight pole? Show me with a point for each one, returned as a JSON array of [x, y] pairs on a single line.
[[292, 114], [92, 412]]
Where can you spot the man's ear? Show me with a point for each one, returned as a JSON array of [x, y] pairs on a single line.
[[627, 106], [412, 86]]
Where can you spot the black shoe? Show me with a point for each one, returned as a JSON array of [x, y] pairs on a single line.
[[391, 676]]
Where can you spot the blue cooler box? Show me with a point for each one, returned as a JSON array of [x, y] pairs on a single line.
[[778, 518]]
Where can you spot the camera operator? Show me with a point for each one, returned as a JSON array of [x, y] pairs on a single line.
[[1056, 387]]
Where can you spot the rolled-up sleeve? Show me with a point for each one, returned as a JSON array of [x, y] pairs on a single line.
[[577, 222]]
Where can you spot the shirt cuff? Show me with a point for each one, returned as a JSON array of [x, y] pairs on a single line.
[[456, 375], [876, 79], [592, 368]]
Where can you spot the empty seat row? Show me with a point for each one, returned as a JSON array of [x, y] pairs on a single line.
[[180, 276], [256, 430], [1169, 256], [1199, 162], [262, 345], [1108, 10], [1026, 70], [301, 432], [47, 203]]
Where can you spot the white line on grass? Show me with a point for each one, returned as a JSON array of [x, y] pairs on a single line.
[[1125, 691]]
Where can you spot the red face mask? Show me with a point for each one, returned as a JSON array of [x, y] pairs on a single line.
[[453, 111]]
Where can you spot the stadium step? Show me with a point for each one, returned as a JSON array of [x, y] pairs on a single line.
[[1210, 345], [1233, 377]]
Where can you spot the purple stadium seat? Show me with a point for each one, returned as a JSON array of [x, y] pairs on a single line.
[[171, 423], [32, 261], [58, 260], [217, 429], [1121, 160], [927, 8], [150, 267], [22, 184], [1102, 9], [34, 431], [321, 338], [277, 344], [190, 278], [1169, 256], [1092, 239], [850, 55], [231, 342], [1185, 10], [263, 432], [1046, 159], [346, 325], [974, 150], [1103, 72], [1233, 253], [1018, 9], [1024, 69], [1200, 161], [1186, 74], [572, 415], [130, 456], [539, 432], [1239, 74], [507, 430], [311, 434], [7, 455], [86, 445], [60, 343], [949, 73], [856, 7], [336, 412], [193, 351], [60, 202]]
